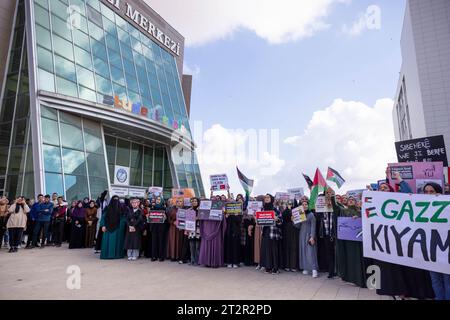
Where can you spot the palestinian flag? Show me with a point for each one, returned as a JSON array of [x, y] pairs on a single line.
[[333, 175], [318, 187], [308, 181], [246, 183]]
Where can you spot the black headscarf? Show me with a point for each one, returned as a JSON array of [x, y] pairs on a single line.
[[113, 212], [269, 206], [435, 186], [18, 206], [86, 204]]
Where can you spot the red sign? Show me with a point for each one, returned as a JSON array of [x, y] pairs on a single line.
[[265, 218], [157, 216]]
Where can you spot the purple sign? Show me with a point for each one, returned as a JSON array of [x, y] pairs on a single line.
[[349, 229]]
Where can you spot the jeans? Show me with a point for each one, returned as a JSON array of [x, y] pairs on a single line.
[[133, 253], [15, 235], [37, 230], [441, 285], [194, 245]]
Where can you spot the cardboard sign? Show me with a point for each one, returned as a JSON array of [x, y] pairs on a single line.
[[265, 218], [253, 207], [136, 192], [234, 208], [282, 196], [190, 217], [349, 229], [407, 229], [119, 191], [322, 206], [186, 194], [428, 149], [156, 216], [181, 219], [211, 210], [356, 194], [410, 172], [154, 192], [299, 215], [296, 193], [219, 182]]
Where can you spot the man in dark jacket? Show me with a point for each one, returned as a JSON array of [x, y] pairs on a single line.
[[45, 211]]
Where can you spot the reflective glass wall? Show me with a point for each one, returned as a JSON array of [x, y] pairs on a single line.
[[74, 161]]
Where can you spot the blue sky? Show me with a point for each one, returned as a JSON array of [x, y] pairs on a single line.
[[243, 81]]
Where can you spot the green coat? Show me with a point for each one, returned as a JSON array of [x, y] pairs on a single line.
[[349, 254], [113, 242]]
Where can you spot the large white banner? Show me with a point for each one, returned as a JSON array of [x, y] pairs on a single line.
[[407, 229], [121, 176]]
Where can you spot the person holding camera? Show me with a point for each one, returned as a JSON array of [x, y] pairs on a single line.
[[17, 222]]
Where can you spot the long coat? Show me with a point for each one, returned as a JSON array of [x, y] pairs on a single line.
[[307, 252], [133, 239], [112, 242]]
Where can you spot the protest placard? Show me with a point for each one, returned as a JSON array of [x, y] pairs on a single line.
[[282, 196], [219, 182], [181, 219], [265, 218], [295, 193], [233, 207], [211, 210], [156, 216], [349, 228], [298, 215], [322, 205], [407, 229], [412, 171], [356, 194], [426, 149], [154, 192], [253, 207], [420, 184], [190, 217]]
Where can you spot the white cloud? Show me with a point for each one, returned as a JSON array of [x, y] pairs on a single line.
[[293, 141], [357, 27], [192, 70], [281, 21], [368, 20]]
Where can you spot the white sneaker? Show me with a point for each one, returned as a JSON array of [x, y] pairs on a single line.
[[258, 267], [235, 266], [230, 266], [315, 274], [130, 258], [305, 272], [134, 258]]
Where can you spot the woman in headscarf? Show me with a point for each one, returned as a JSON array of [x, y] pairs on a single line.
[[271, 239], [86, 202], [194, 236], [233, 235], [78, 227], [3, 218], [157, 232], [439, 281], [102, 203], [256, 231], [308, 242], [113, 225], [17, 222], [68, 223], [135, 223], [350, 261], [175, 235], [397, 280], [212, 235], [91, 224], [289, 242]]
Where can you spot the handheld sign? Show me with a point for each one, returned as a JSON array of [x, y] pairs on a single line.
[[211, 210], [298, 215], [156, 216], [349, 229], [428, 149], [295, 193], [190, 216], [413, 171], [265, 218], [322, 205], [181, 219], [233, 208], [219, 182], [253, 207]]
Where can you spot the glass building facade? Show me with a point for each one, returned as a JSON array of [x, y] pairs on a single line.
[[103, 94]]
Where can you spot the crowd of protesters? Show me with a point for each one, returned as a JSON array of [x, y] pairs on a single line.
[[118, 228]]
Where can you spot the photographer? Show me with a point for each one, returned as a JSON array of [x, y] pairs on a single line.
[[17, 222]]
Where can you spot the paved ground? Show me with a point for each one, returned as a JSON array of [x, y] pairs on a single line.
[[41, 274]]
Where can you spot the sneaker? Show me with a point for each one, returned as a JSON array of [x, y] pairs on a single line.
[[130, 258], [97, 251], [293, 270], [180, 262], [134, 258], [235, 266], [153, 259], [305, 272], [315, 274], [287, 269], [258, 267], [275, 272], [161, 259], [11, 250], [268, 271], [230, 266], [16, 249]]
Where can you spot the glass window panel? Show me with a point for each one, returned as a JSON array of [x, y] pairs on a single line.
[[3, 159], [108, 17], [121, 22], [133, 96], [129, 67], [43, 3], [96, 165], [112, 42], [115, 59], [123, 35], [19, 132], [79, 6], [95, 32], [66, 87], [101, 67], [117, 75], [59, 27], [168, 183], [45, 59], [70, 119], [87, 94], [103, 85], [132, 83], [148, 166], [94, 15], [123, 153], [94, 4], [136, 45], [41, 16], [135, 177], [63, 47], [28, 186], [59, 8], [110, 149], [111, 173], [158, 166], [98, 49], [81, 39], [127, 52], [120, 91], [76, 187], [147, 102], [16, 160], [43, 37], [50, 132], [85, 77], [74, 162], [65, 68], [83, 58], [53, 183], [46, 81], [49, 113], [136, 155], [97, 185], [93, 142], [52, 158], [71, 137]]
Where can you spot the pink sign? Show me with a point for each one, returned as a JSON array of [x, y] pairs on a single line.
[[412, 171]]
